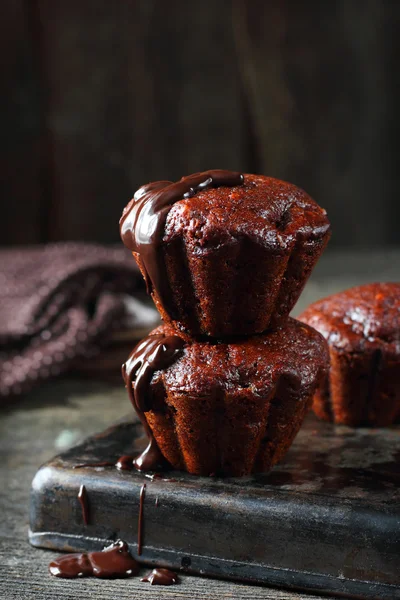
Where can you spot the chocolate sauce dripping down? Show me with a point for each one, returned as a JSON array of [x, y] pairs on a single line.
[[113, 562], [140, 519], [84, 502], [161, 577], [153, 353], [143, 220]]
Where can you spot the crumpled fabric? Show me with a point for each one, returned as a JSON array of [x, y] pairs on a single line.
[[60, 303]]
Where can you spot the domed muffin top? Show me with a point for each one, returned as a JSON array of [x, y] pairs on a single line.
[[359, 319], [296, 352], [269, 211], [213, 209], [143, 219]]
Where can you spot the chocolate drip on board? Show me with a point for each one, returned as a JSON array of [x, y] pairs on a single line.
[[140, 519], [143, 220], [153, 353], [161, 577], [84, 502], [113, 562]]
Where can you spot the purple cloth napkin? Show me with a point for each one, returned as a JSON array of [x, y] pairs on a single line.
[[58, 303]]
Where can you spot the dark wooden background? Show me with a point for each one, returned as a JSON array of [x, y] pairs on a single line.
[[98, 97]]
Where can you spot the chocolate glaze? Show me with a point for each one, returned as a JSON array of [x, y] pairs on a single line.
[[113, 562], [140, 519], [161, 577], [143, 220], [153, 353], [84, 502]]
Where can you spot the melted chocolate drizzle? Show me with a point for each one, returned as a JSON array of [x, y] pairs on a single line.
[[153, 353], [84, 502], [143, 220], [140, 519], [161, 577], [113, 562]]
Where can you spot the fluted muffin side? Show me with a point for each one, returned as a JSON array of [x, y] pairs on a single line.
[[235, 408], [362, 328], [232, 259]]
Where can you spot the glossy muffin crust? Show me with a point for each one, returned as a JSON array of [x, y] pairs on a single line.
[[362, 327], [235, 408], [235, 258]]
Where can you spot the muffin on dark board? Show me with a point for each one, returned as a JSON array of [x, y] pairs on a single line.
[[223, 253], [226, 408], [362, 327]]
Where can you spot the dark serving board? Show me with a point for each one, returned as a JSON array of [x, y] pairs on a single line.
[[326, 519]]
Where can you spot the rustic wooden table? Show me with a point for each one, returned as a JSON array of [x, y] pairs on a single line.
[[64, 412]]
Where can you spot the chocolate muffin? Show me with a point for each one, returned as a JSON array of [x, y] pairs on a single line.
[[225, 408], [223, 253], [362, 327]]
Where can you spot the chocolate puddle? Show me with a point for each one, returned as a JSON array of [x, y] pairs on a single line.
[[113, 562]]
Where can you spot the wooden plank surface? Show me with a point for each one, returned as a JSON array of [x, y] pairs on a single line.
[[65, 412]]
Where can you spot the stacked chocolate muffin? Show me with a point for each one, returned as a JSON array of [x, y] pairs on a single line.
[[223, 386]]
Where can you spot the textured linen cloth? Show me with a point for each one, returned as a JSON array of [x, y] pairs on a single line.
[[60, 303]]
